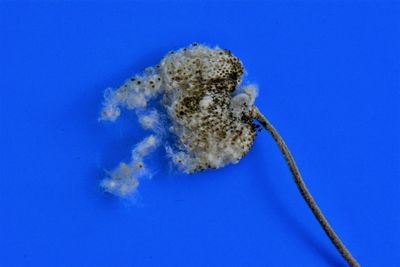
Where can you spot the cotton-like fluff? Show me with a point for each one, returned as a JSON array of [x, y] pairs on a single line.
[[208, 117]]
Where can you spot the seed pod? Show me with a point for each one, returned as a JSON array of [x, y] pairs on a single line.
[[207, 115]]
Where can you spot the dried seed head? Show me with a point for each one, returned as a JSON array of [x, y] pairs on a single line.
[[208, 116]]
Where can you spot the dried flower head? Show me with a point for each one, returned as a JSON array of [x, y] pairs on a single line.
[[206, 113]]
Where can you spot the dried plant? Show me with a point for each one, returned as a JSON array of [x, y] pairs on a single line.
[[207, 115]]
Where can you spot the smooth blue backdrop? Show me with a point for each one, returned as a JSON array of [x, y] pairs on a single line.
[[329, 81]]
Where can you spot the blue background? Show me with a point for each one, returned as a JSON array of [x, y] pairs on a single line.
[[329, 81]]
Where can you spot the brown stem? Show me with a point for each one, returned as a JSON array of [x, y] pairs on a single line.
[[303, 189]]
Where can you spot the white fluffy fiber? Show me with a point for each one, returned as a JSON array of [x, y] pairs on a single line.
[[176, 78]]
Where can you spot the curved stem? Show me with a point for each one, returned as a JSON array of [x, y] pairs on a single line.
[[303, 189]]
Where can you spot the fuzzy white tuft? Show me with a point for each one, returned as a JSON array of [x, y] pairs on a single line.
[[120, 181]]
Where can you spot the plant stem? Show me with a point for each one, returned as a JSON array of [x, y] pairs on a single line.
[[303, 189]]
